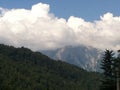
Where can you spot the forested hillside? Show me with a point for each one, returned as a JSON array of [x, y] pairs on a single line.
[[23, 69]]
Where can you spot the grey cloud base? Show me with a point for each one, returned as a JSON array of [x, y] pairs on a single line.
[[38, 29]]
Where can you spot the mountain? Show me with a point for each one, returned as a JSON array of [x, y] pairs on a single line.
[[23, 69], [86, 57]]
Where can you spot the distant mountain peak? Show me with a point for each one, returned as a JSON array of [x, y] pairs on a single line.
[[83, 56]]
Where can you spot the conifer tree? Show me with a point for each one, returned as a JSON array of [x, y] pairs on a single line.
[[108, 82], [117, 70]]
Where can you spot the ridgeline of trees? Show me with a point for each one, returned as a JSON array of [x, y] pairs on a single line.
[[22, 69], [111, 70]]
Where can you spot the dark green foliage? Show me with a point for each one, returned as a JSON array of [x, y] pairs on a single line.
[[109, 65], [22, 69]]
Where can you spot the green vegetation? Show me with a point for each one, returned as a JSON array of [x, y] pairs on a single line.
[[111, 71], [22, 69]]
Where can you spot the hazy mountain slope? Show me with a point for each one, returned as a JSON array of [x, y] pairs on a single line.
[[85, 57], [22, 69]]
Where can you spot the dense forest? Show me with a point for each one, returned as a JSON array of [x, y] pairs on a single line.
[[111, 70], [23, 69]]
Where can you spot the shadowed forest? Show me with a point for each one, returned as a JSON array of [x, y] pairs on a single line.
[[23, 69]]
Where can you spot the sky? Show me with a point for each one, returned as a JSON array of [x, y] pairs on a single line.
[[51, 24], [90, 10]]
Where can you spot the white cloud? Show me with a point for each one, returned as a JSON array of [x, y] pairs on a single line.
[[39, 29]]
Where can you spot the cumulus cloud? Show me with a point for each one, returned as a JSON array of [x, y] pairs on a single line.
[[38, 29]]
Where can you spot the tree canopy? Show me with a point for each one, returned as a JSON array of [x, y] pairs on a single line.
[[111, 70], [23, 69]]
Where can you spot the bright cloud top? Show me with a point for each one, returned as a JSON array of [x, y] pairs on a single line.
[[39, 29]]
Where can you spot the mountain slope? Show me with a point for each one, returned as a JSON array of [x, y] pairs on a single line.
[[86, 57], [22, 69]]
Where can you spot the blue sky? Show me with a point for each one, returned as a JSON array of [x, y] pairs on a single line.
[[89, 10], [94, 23]]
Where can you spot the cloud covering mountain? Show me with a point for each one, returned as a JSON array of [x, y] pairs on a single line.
[[39, 29]]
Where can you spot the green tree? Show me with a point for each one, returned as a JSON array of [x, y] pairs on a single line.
[[108, 81], [117, 71]]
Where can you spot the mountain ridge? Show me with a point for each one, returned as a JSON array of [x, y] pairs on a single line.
[[23, 69], [86, 57]]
